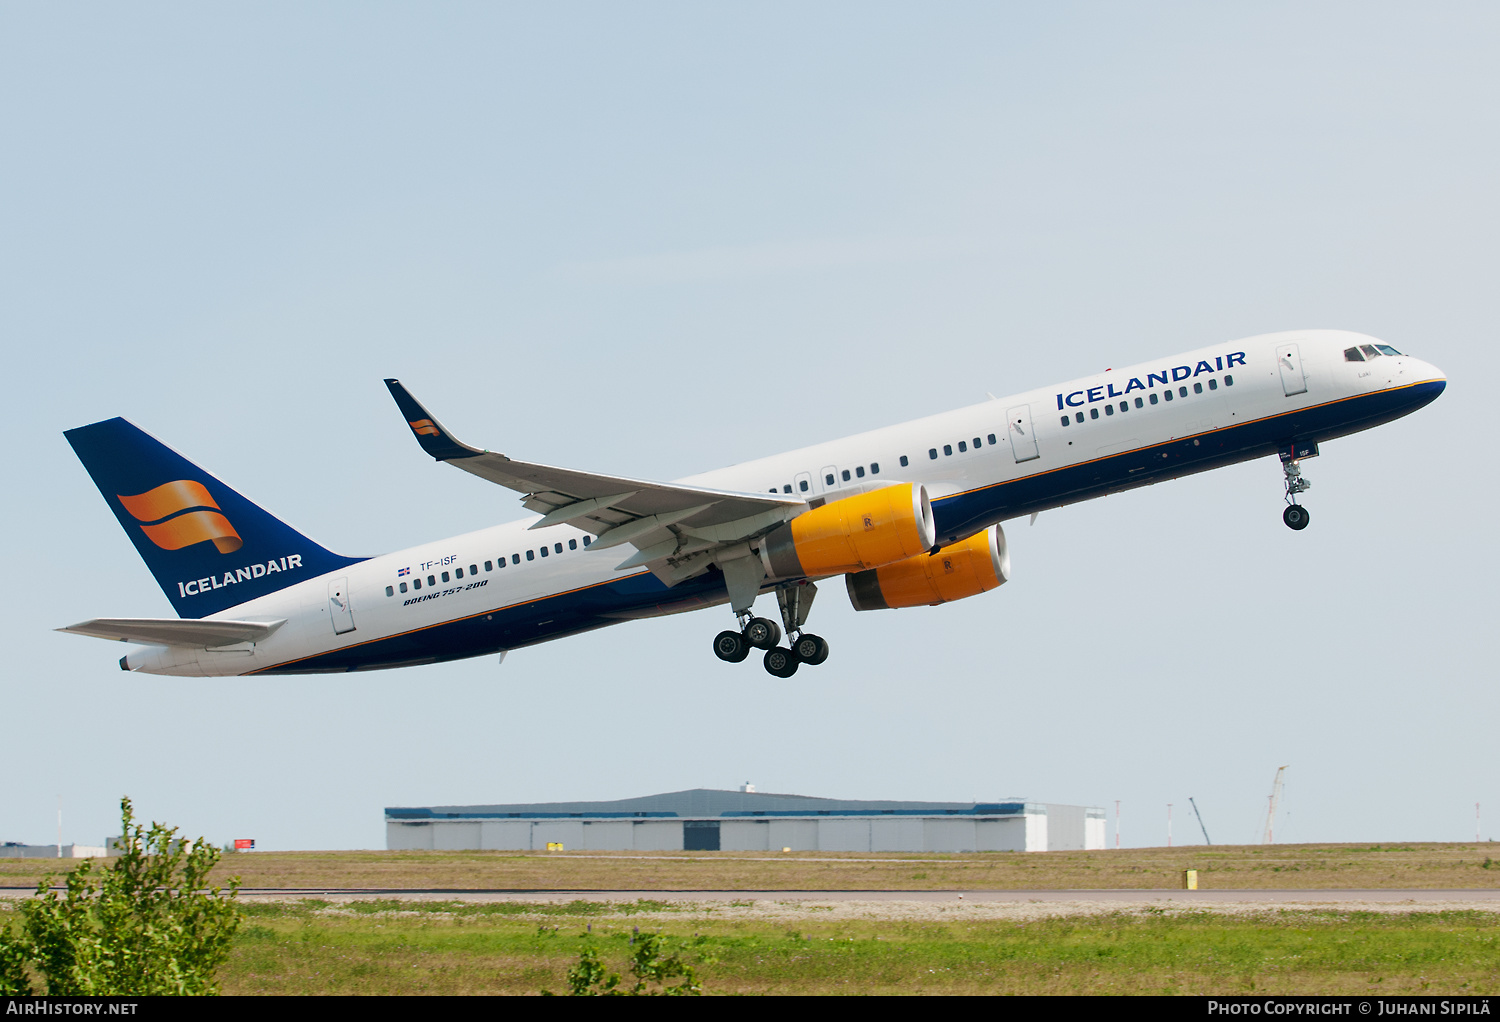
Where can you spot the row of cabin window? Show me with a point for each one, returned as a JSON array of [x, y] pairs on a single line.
[[963, 446], [859, 471], [829, 480], [1109, 409], [458, 573]]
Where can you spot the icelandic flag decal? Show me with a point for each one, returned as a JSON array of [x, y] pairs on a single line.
[[403, 572]]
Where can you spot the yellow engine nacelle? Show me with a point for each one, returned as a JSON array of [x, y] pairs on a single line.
[[863, 531], [978, 564]]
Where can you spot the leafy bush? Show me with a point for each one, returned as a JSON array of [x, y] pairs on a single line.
[[143, 925], [652, 972]]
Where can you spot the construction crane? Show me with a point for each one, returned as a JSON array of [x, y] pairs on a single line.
[[1269, 838], [1206, 839]]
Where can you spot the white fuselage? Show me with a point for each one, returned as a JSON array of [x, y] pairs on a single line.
[[980, 464]]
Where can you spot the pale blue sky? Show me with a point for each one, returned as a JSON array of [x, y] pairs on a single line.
[[652, 239]]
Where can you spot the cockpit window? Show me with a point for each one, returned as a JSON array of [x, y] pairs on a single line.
[[1369, 350], [1387, 349], [1353, 355]]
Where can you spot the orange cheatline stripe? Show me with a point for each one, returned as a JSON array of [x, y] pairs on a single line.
[[195, 527], [439, 624], [1188, 436], [166, 499]]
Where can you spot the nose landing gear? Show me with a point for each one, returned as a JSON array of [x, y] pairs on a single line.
[[1295, 516]]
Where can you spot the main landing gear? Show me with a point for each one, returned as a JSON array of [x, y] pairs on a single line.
[[1295, 516], [762, 633]]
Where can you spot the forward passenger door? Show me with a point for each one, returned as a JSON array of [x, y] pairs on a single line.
[[1289, 361], [1022, 436]]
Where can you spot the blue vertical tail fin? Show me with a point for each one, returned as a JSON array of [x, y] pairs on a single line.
[[209, 548]]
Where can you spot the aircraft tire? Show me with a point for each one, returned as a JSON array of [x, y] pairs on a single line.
[[1295, 516], [811, 649], [763, 633], [731, 647], [781, 662]]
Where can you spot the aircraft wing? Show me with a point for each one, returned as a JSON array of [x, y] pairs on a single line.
[[171, 631], [663, 521]]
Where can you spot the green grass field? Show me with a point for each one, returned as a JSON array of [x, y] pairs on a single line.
[[901, 946], [509, 948]]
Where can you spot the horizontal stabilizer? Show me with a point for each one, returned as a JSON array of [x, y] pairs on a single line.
[[167, 631]]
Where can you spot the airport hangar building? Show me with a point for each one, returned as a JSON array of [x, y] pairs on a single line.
[[705, 819]]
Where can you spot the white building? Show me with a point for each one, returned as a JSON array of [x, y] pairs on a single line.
[[706, 819]]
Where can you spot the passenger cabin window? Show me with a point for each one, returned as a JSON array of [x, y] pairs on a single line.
[[1139, 403], [1124, 406], [948, 450], [1109, 409], [403, 587], [1197, 388], [1080, 417], [1353, 355], [1093, 413], [390, 590], [1182, 392], [458, 571], [1153, 399], [1213, 384], [904, 462], [557, 548], [1167, 395], [844, 475], [531, 555], [859, 470], [828, 479], [1229, 381], [572, 544], [786, 488], [416, 583], [962, 446], [978, 443], [992, 437], [489, 566], [802, 485], [432, 581], [543, 551], [587, 540], [445, 576], [1066, 420], [516, 558], [932, 453], [874, 468]]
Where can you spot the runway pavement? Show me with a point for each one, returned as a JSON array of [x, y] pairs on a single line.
[[1479, 898]]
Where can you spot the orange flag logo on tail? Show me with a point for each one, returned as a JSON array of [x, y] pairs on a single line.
[[156, 507], [424, 427]]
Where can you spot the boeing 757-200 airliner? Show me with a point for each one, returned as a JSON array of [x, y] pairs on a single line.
[[909, 515]]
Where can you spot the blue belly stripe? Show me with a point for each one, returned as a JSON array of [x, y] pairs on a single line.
[[958, 516]]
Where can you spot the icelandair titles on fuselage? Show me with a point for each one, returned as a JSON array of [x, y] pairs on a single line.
[[202, 585], [1166, 377]]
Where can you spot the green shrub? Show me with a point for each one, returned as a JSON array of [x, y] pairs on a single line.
[[651, 969], [143, 925]]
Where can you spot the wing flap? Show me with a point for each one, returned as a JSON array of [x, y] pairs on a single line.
[[170, 631]]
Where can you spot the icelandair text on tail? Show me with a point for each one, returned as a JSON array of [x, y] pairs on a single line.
[[202, 585]]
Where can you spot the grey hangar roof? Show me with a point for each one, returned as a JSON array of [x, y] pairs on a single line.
[[712, 803]]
